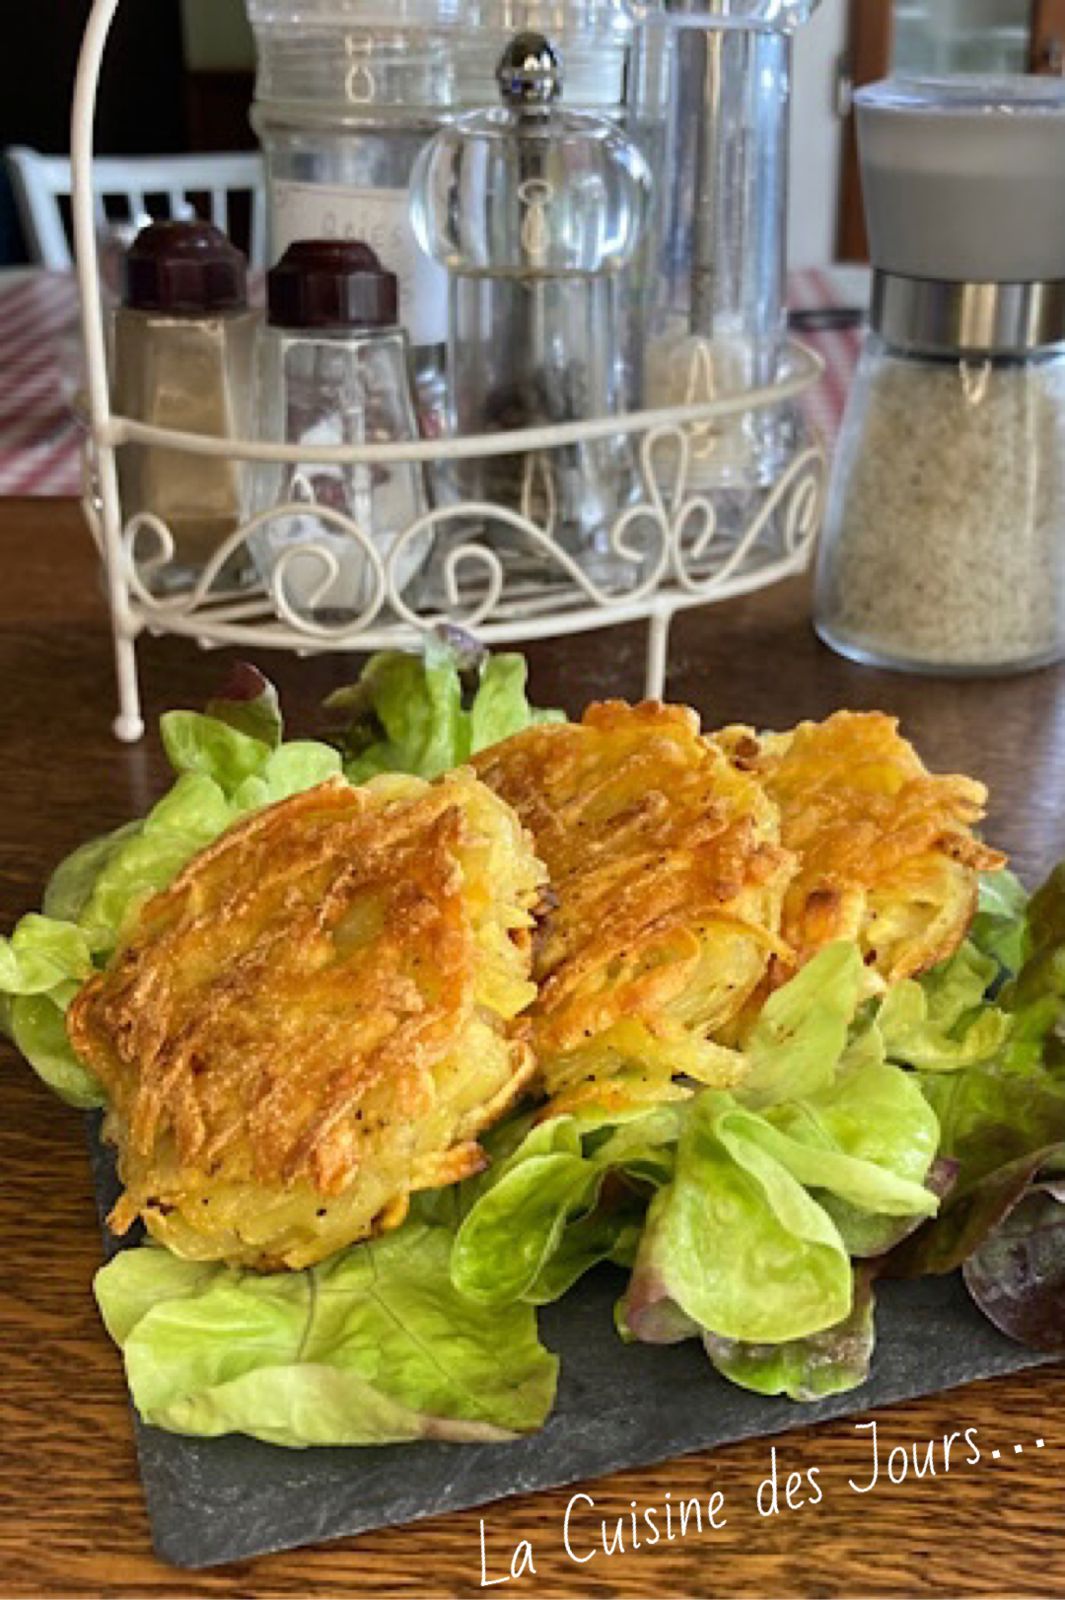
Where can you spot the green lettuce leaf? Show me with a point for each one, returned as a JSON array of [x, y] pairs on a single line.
[[833, 1361], [751, 1240], [42, 954], [991, 1116], [509, 1234], [943, 1022], [42, 966], [999, 925], [542, 1215], [413, 718], [290, 769], [820, 1075], [93, 896], [500, 707], [237, 745], [814, 1139], [875, 1123], [1002, 1119], [196, 743], [735, 1243], [425, 714], [187, 819], [610, 1232], [68, 889], [37, 1026], [1035, 998], [801, 1031], [250, 703], [869, 1236], [373, 1346]]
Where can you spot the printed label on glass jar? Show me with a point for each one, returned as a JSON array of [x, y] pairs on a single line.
[[381, 219]]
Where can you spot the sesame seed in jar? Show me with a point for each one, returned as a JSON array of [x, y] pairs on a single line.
[[945, 542]]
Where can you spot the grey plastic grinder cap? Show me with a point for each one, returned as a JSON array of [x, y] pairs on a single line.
[[964, 177]]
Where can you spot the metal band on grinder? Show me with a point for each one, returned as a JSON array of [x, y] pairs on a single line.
[[950, 319]]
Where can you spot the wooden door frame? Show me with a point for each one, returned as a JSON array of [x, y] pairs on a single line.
[[1047, 48], [870, 46]]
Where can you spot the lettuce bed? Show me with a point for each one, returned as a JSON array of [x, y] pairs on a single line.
[[906, 1136]]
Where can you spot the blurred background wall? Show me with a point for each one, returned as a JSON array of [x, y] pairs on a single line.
[[179, 76]]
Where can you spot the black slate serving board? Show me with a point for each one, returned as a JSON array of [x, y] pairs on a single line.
[[219, 1500]]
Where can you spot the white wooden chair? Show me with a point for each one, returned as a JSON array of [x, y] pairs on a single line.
[[41, 183]]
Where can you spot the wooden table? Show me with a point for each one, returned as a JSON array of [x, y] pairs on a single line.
[[71, 1515]]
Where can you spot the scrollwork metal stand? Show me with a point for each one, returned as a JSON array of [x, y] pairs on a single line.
[[668, 550]]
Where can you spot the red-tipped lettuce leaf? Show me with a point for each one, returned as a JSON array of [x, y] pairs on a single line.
[[945, 1243], [831, 1362], [249, 703], [1017, 1277]]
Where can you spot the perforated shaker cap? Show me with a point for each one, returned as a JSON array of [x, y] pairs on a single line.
[[964, 178], [331, 285], [185, 269]]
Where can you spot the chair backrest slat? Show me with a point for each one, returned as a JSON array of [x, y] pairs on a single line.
[[257, 240], [220, 208], [137, 201], [41, 183]]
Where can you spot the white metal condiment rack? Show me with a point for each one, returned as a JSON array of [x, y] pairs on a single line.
[[681, 558]]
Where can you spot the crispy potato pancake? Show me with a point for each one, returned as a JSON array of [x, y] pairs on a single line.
[[668, 880], [886, 851], [314, 1019]]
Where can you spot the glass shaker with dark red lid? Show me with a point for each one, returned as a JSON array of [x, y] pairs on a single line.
[[183, 351], [333, 371]]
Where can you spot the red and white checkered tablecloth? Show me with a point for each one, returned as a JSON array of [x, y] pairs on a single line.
[[821, 289], [41, 371]]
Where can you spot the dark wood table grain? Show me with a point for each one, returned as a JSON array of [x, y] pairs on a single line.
[[71, 1515]]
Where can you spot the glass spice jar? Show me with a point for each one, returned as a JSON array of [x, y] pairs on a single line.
[[183, 353], [349, 91], [334, 370], [944, 543]]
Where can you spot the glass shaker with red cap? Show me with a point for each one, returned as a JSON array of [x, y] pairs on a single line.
[[183, 351], [333, 370]]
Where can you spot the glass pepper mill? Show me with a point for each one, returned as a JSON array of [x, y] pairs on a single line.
[[534, 211]]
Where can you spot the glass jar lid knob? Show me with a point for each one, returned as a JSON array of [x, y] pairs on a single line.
[[529, 72]]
